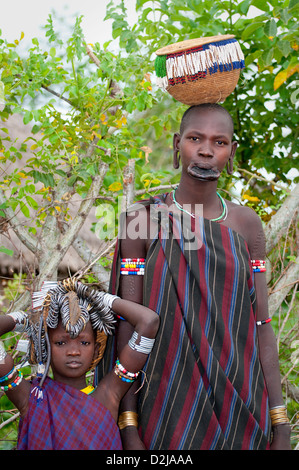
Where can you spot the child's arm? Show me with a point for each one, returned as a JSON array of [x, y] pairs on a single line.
[[133, 355], [20, 388]]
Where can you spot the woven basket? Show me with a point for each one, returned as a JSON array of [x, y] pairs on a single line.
[[204, 70]]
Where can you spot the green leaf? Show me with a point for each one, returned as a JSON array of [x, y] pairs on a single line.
[[270, 28], [251, 29], [25, 210], [6, 251], [28, 117], [46, 179], [32, 203], [284, 47], [261, 4]]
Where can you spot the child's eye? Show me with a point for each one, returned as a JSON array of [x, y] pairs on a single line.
[[85, 343], [59, 343]]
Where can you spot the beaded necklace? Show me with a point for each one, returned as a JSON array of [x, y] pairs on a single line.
[[221, 217]]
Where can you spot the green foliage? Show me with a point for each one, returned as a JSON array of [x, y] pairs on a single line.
[[87, 104]]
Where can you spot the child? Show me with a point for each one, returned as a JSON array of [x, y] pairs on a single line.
[[71, 334]]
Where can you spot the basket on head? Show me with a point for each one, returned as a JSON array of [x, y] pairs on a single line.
[[204, 70]]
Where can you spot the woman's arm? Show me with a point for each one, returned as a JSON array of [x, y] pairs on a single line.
[[267, 342], [131, 357], [131, 288]]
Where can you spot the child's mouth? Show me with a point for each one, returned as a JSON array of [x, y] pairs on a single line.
[[203, 174]]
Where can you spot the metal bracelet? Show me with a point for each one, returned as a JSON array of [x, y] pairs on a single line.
[[145, 344], [21, 321], [3, 353]]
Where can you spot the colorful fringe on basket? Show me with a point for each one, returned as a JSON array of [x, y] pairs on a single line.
[[195, 63]]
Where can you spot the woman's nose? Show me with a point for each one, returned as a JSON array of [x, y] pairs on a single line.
[[205, 149]]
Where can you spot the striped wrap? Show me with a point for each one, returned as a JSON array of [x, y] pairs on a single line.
[[204, 386]]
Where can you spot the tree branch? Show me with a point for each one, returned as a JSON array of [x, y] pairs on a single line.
[[17, 227], [90, 258], [279, 223], [283, 287], [84, 208]]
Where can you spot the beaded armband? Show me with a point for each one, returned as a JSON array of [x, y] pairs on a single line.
[[263, 322], [132, 266], [258, 265]]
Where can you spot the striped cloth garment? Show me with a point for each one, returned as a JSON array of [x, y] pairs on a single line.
[[67, 419], [204, 386]]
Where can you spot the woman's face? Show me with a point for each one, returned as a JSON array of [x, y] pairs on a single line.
[[205, 144]]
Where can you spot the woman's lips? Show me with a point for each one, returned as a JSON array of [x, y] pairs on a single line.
[[203, 173]]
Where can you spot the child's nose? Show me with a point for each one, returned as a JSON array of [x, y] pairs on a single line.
[[73, 350]]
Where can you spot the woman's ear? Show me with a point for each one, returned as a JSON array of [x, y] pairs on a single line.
[[230, 163], [176, 157]]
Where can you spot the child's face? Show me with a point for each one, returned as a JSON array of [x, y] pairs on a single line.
[[71, 358], [205, 145]]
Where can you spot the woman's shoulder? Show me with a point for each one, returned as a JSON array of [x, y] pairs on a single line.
[[245, 221]]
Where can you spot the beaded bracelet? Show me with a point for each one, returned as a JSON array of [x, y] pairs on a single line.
[[12, 385], [8, 376], [258, 265], [123, 374], [132, 266], [263, 322]]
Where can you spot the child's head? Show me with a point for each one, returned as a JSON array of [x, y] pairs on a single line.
[[71, 309]]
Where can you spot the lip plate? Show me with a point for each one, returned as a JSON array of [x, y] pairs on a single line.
[[203, 172]]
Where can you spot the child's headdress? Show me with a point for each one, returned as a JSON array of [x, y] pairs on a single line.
[[204, 70], [75, 304]]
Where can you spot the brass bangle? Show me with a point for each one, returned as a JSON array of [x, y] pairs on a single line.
[[278, 415], [127, 418]]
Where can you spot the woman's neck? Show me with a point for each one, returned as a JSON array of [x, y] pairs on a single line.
[[199, 193]]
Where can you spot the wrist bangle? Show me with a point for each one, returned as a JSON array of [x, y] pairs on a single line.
[[127, 418], [21, 321], [278, 415]]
